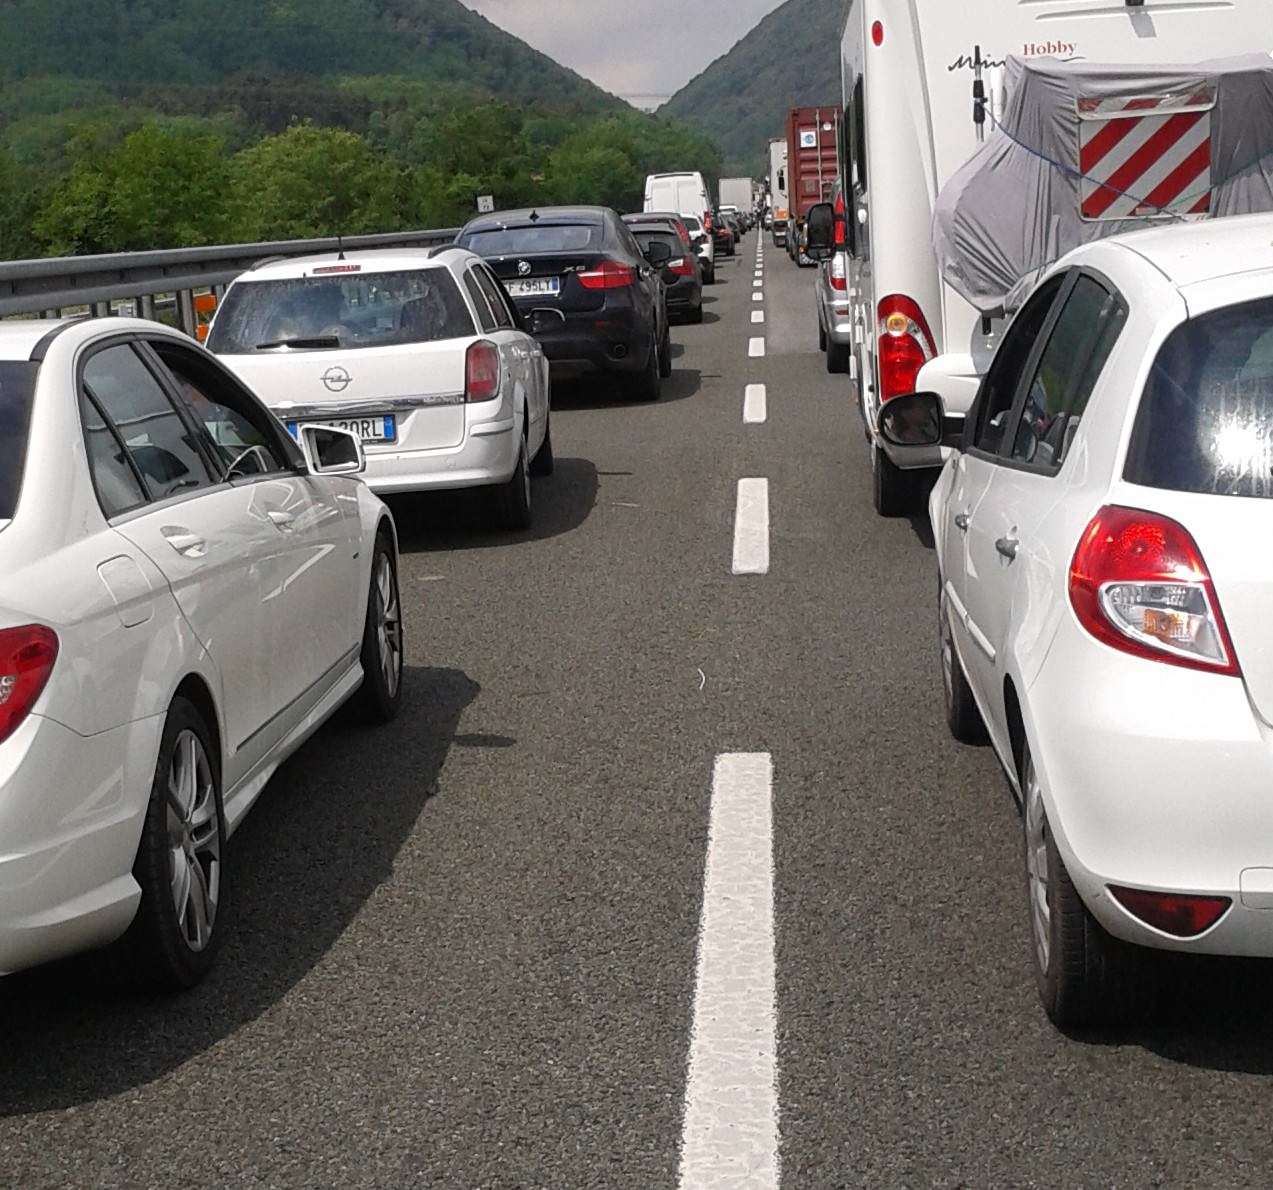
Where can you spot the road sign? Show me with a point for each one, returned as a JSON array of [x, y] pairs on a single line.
[[485, 204]]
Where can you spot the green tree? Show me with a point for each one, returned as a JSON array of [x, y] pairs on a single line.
[[311, 181], [22, 193]]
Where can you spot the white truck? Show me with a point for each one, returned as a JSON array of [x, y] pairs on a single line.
[[736, 193], [910, 72], [778, 190]]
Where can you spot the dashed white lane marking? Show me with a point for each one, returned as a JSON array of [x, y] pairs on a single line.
[[730, 1135], [756, 348], [754, 405], [758, 316], [757, 296], [756, 284], [751, 527]]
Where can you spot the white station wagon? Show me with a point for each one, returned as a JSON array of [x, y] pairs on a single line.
[[419, 352]]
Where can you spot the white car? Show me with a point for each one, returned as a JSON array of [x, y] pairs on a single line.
[[1105, 594], [185, 596], [419, 352]]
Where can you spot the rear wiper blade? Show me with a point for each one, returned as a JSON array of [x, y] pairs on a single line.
[[311, 341]]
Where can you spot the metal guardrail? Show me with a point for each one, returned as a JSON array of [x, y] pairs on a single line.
[[163, 284]]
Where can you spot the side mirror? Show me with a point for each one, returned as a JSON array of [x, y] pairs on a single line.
[[658, 254], [543, 318], [916, 419], [329, 450], [819, 232]]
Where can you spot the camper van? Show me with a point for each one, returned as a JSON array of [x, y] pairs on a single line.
[[778, 191], [896, 159]]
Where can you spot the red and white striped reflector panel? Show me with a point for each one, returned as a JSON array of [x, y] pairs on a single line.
[[1146, 156]]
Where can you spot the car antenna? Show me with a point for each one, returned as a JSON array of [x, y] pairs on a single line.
[[533, 216], [340, 245]]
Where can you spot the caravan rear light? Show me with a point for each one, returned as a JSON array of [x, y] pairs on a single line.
[[841, 239], [481, 371], [26, 660], [906, 345]]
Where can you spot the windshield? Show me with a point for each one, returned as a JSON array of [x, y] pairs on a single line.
[[349, 310], [1205, 422], [513, 241], [17, 387]]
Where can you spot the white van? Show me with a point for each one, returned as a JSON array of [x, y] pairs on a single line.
[[685, 193], [928, 51]]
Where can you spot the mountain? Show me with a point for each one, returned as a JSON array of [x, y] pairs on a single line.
[[791, 59], [137, 48]]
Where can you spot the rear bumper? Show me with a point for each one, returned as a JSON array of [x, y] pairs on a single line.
[[487, 455], [686, 294], [603, 341]]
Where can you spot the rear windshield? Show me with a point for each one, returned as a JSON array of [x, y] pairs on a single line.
[[658, 236], [346, 310], [510, 241], [17, 386], [1205, 422], [692, 222]]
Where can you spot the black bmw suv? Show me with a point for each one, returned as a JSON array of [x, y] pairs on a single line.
[[580, 280]]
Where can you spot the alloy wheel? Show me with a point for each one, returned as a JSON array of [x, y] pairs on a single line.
[[388, 624], [1037, 871], [194, 840], [947, 645]]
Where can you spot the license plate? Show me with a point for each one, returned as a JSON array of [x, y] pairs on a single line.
[[377, 427], [534, 286]]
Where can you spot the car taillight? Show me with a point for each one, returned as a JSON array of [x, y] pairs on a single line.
[[1138, 583], [682, 267], [837, 274], [906, 345], [841, 238], [609, 274], [707, 221], [1180, 914], [481, 371], [26, 659]]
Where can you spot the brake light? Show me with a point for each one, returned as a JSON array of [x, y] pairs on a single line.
[[1138, 583], [609, 274], [481, 371], [841, 239], [707, 221], [1179, 914], [838, 273], [906, 345], [26, 659], [682, 267]]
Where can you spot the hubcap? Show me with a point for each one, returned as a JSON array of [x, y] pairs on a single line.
[[1036, 866], [194, 841], [388, 625]]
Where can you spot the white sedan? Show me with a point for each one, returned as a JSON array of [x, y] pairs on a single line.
[[419, 352], [185, 596], [1105, 595]]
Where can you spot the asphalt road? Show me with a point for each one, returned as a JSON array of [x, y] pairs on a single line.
[[463, 950]]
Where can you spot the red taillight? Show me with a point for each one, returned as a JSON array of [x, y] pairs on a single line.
[[838, 273], [906, 345], [1178, 914], [841, 238], [682, 267], [481, 371], [26, 660], [877, 33], [707, 221], [1138, 583], [609, 274]]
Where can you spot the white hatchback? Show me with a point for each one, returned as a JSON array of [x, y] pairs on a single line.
[[185, 596], [1105, 593], [419, 352]]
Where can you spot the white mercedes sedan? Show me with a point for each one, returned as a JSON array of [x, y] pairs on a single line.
[[186, 594], [1105, 594], [419, 352]]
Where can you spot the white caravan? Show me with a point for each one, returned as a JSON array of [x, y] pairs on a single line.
[[908, 70], [778, 190]]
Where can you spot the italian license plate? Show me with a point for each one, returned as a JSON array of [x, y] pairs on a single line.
[[534, 286], [375, 427]]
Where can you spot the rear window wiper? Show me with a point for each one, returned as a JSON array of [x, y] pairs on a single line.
[[310, 341]]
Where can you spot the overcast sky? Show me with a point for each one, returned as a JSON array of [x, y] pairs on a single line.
[[633, 48]]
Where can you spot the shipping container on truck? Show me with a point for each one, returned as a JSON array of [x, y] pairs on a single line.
[[778, 191], [813, 139]]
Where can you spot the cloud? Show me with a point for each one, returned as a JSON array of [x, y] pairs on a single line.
[[634, 48]]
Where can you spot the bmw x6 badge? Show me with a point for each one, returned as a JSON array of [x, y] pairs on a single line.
[[336, 379], [523, 268]]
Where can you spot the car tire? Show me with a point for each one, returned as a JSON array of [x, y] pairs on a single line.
[[174, 938], [646, 385], [892, 489], [709, 277], [837, 357], [962, 716], [378, 698], [822, 337], [1085, 976], [544, 462], [512, 499], [665, 352], [696, 314]]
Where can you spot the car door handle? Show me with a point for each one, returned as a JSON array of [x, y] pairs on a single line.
[[187, 544], [1007, 547], [961, 521], [284, 520]]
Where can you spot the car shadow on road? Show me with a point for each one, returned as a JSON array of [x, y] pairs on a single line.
[[709, 317], [322, 839], [461, 519], [603, 392]]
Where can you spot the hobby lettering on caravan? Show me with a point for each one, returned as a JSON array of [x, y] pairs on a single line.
[[1057, 49]]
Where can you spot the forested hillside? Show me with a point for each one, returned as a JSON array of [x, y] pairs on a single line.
[[791, 59]]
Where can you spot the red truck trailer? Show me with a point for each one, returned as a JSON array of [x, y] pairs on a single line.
[[813, 140]]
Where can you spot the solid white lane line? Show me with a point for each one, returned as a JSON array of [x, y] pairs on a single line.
[[757, 296], [756, 348], [729, 1140], [758, 316], [751, 527], [755, 408]]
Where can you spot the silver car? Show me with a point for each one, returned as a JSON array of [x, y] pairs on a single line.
[[835, 327]]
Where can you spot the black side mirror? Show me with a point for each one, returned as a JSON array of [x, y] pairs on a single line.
[[658, 254], [917, 419], [819, 232], [543, 318]]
